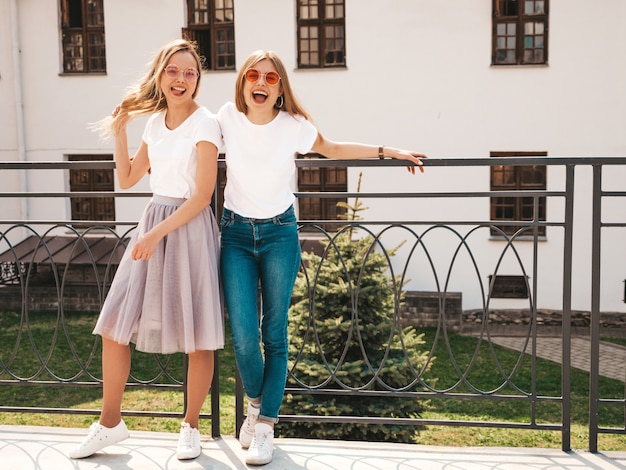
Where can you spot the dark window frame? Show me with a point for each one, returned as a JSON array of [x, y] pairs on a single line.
[[520, 32], [211, 24], [321, 27], [96, 179], [82, 36], [508, 287], [318, 179], [517, 178]]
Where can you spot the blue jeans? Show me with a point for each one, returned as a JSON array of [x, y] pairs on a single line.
[[265, 251]]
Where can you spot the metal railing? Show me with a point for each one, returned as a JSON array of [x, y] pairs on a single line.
[[423, 251]]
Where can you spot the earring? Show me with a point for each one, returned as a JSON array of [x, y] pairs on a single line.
[[281, 98]]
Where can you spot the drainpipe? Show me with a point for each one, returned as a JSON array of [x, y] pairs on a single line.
[[19, 107]]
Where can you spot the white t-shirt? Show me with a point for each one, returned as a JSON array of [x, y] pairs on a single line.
[[173, 153], [260, 161]]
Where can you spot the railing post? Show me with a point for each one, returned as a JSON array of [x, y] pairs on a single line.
[[215, 397], [594, 383], [567, 309]]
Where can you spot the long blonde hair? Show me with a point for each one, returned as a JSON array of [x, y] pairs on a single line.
[[291, 103], [146, 95]]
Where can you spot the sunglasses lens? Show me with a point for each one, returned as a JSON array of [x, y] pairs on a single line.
[[271, 78], [191, 74], [171, 71], [252, 75]]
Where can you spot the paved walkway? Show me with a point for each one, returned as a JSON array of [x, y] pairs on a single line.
[[612, 357], [41, 448]]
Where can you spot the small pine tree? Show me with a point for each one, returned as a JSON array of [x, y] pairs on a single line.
[[351, 340]]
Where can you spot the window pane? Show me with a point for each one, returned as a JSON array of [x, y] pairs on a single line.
[[97, 59], [528, 42], [527, 208], [309, 9], [74, 14], [223, 13], [225, 46], [199, 12], [334, 9], [73, 52], [534, 7], [229, 14], [528, 7], [503, 177], [334, 45], [506, 8], [540, 7], [203, 38], [309, 45], [533, 42], [95, 13], [504, 208]]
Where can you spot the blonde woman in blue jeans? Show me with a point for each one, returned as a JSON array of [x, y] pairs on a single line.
[[263, 131]]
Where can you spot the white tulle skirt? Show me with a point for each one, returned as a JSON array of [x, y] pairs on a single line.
[[171, 302]]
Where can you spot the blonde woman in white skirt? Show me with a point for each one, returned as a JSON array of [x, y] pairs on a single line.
[[165, 296]]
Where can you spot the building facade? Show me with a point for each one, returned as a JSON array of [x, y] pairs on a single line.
[[452, 79]]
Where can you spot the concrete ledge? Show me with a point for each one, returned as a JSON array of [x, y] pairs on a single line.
[[45, 448]]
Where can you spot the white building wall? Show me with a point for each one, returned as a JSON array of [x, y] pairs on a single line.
[[418, 76]]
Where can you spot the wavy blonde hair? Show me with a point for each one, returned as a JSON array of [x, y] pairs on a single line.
[[291, 103], [146, 95]]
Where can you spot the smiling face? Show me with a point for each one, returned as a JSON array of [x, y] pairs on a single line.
[[180, 85], [259, 95]]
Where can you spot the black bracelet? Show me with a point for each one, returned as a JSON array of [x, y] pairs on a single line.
[[380, 152]]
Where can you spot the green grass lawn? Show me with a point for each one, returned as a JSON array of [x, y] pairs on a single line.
[[61, 358]]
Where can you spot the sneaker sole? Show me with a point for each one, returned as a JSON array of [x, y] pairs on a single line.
[[188, 456], [82, 455], [258, 462]]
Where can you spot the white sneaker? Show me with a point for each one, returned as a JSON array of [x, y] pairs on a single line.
[[188, 442], [262, 447], [246, 433], [98, 438]]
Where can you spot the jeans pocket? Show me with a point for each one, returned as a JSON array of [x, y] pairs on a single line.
[[286, 219], [226, 222]]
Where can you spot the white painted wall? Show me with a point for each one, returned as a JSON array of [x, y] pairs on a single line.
[[418, 76]]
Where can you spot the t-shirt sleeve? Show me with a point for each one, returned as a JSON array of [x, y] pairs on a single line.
[[208, 129], [306, 136], [148, 129]]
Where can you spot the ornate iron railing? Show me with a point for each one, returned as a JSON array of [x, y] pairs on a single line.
[[436, 250]]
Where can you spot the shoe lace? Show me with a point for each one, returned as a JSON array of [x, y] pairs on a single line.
[[262, 442], [250, 422], [94, 430], [186, 437]]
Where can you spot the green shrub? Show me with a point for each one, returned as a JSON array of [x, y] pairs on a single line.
[[352, 340]]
